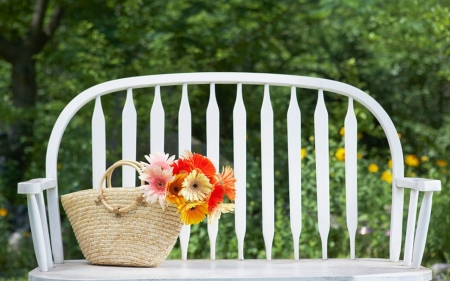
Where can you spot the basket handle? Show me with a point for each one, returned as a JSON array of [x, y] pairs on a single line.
[[107, 175]]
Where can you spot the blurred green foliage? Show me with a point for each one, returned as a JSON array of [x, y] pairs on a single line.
[[396, 51]]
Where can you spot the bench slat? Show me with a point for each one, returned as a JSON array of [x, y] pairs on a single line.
[[184, 143], [322, 170], [240, 168], [98, 143], [295, 178], [157, 121], [267, 172], [351, 183], [129, 127], [212, 152]]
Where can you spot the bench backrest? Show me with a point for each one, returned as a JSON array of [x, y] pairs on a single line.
[[157, 117]]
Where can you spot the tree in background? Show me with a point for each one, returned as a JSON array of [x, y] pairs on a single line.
[[24, 31]]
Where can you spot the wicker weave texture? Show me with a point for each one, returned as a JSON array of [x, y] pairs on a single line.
[[141, 237]]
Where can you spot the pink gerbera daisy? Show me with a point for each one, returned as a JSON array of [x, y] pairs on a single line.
[[157, 179], [159, 159]]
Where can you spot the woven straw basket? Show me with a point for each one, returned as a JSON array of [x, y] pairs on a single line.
[[113, 226]]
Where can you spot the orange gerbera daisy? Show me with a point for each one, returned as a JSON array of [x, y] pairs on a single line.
[[173, 189], [227, 180], [180, 166], [193, 212], [201, 164], [215, 197]]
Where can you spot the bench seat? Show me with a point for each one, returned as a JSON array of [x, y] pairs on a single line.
[[278, 270]]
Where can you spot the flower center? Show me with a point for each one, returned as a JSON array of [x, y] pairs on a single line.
[[195, 185], [176, 189]]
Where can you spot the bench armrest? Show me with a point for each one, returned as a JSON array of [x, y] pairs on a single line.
[[35, 186], [415, 241], [419, 184]]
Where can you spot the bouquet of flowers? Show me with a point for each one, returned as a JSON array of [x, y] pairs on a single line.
[[191, 183]]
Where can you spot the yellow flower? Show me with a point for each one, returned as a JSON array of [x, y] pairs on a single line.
[[390, 163], [303, 153], [342, 131], [441, 163], [386, 176], [360, 155], [399, 135], [424, 158], [193, 212], [373, 168], [412, 160], [340, 154], [3, 212]]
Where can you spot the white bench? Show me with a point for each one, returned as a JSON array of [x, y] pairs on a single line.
[[49, 252]]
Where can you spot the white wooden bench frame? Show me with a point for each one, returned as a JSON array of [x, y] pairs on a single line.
[[414, 241]]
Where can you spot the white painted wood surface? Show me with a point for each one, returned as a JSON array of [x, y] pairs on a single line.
[[184, 143], [267, 172], [36, 230], [322, 171], [129, 137], [44, 226], [411, 224], [98, 143], [240, 161], [240, 168], [295, 168], [351, 174], [213, 152], [55, 222], [248, 270], [157, 123], [422, 229]]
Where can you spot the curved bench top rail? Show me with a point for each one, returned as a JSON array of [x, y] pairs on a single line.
[[224, 78]]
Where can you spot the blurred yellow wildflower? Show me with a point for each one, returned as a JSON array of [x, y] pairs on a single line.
[[424, 158], [441, 163], [3, 212], [340, 154], [373, 168], [399, 135], [303, 153], [386, 176], [390, 163], [360, 155], [412, 160], [342, 131]]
